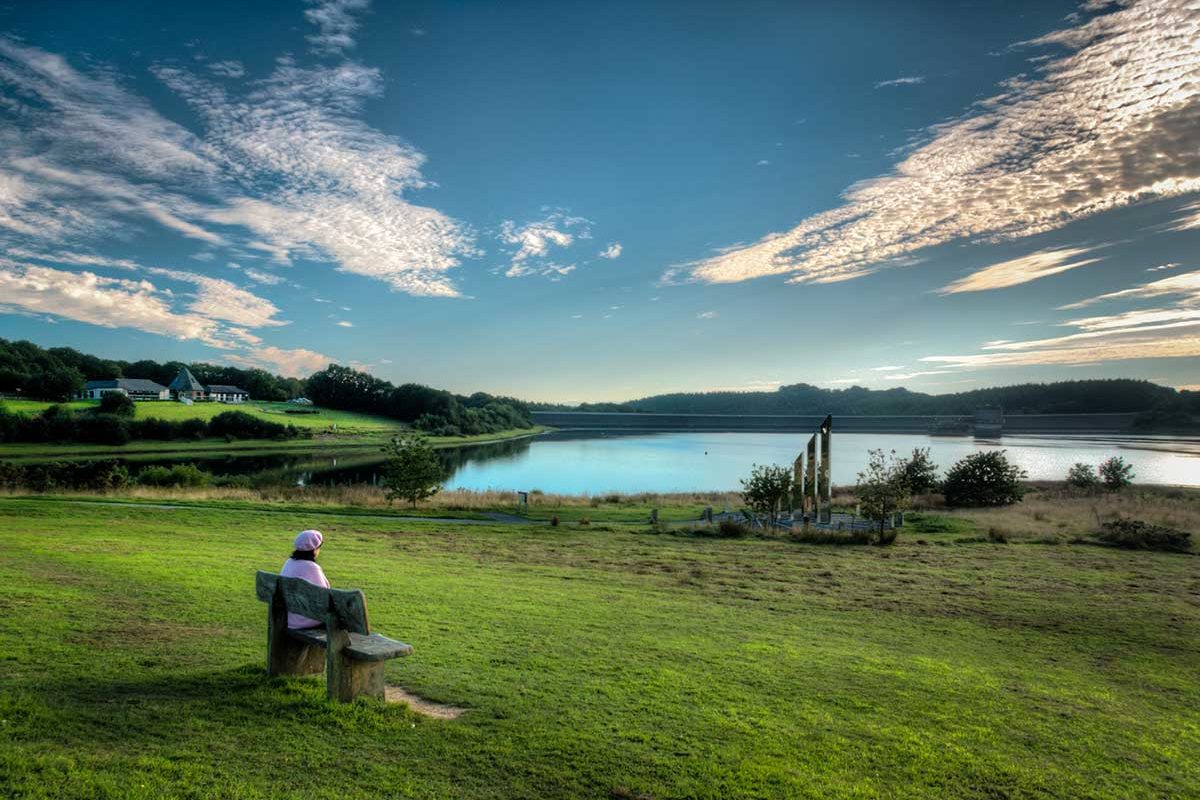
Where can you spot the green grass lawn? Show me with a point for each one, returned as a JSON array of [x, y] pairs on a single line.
[[325, 418], [593, 662]]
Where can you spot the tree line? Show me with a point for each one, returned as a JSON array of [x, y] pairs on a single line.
[[60, 424], [59, 373], [1062, 397], [435, 411]]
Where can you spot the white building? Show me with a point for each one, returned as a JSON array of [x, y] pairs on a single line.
[[227, 394], [133, 388]]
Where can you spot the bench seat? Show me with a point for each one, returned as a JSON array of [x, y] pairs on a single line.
[[371, 647], [343, 647]]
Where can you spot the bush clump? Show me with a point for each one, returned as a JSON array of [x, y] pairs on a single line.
[[1116, 474], [1082, 476], [1133, 534], [174, 476], [982, 480]]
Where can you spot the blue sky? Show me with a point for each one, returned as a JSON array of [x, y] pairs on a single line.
[[570, 201]]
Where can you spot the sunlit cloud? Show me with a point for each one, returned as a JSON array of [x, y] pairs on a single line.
[[345, 324], [1111, 121], [296, 361], [1166, 331], [1020, 270]]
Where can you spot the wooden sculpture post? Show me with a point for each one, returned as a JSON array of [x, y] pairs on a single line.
[[810, 478], [826, 472]]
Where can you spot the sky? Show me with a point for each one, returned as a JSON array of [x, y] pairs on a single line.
[[602, 201]]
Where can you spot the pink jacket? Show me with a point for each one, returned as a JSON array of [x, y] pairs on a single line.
[[311, 572]]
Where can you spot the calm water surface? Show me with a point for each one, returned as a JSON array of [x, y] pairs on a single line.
[[573, 463], [677, 462]]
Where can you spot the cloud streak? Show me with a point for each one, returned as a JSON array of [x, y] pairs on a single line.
[[1114, 120], [1020, 270]]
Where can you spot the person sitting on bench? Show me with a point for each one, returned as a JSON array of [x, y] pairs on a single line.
[[303, 565]]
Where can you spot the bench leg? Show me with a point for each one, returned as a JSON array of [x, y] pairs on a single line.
[[356, 678], [285, 656]]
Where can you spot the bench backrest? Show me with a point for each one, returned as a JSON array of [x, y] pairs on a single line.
[[345, 608]]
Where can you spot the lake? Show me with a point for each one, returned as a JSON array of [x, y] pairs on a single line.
[[573, 463]]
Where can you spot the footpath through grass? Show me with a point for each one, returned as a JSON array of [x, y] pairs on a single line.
[[593, 662]]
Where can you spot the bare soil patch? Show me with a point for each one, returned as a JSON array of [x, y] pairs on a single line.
[[395, 694]]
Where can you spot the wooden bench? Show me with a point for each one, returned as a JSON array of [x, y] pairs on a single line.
[[352, 656]]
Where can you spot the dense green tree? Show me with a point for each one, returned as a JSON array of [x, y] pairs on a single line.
[[117, 403], [984, 479], [920, 473], [413, 470], [1116, 474], [1082, 476]]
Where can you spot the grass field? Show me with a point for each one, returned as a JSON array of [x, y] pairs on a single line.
[[594, 662], [325, 418]]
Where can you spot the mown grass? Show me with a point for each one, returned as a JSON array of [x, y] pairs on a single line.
[[593, 663], [348, 421]]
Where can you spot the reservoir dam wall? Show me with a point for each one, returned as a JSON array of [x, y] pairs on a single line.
[[1014, 424]]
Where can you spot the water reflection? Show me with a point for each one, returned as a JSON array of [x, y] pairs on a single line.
[[666, 462]]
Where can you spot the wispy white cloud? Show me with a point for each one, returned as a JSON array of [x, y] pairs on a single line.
[[335, 22], [1162, 267], [1166, 331], [266, 278], [228, 69], [707, 315], [889, 368], [612, 251], [345, 324], [533, 241], [907, 81], [75, 259], [1112, 120], [1020, 270]]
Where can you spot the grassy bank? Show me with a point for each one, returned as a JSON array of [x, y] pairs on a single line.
[[348, 422], [594, 663], [326, 442]]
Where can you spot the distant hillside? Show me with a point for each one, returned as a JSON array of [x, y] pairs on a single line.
[[1064, 397]]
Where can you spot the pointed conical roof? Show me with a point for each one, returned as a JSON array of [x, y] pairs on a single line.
[[185, 381]]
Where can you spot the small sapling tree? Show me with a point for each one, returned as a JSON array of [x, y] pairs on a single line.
[[1116, 474], [1082, 476], [920, 472], [413, 470], [767, 488], [882, 490], [983, 479]]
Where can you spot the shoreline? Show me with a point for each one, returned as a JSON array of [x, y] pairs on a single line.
[[324, 444]]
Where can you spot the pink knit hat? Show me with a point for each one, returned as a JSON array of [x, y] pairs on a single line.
[[309, 540]]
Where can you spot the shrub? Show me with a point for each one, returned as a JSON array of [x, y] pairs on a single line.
[[177, 475], [1082, 476], [766, 489], [1116, 474], [983, 479], [1134, 534], [882, 490], [117, 403], [102, 429], [413, 470], [732, 529], [920, 473], [241, 425]]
